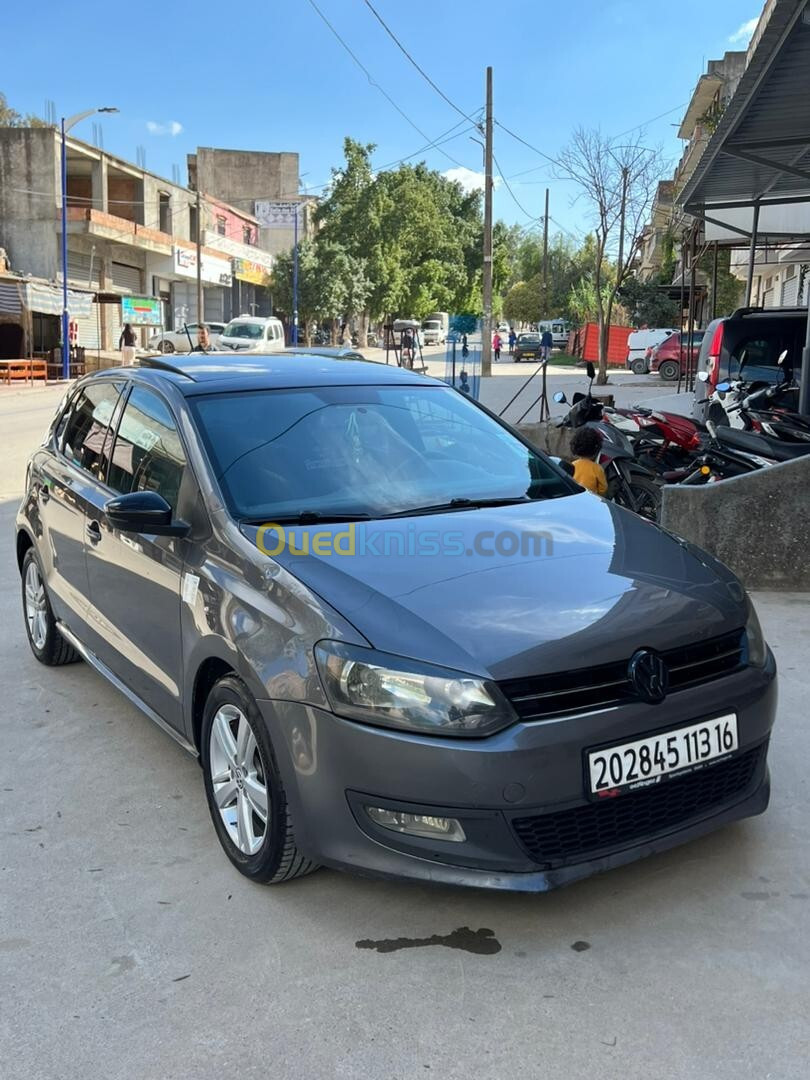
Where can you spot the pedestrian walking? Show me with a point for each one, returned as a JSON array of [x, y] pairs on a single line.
[[465, 351], [496, 345], [512, 340], [126, 343], [546, 342]]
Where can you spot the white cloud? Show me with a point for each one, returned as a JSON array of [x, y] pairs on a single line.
[[743, 35], [171, 127], [469, 179]]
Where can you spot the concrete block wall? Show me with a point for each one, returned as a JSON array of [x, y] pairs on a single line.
[[758, 524]]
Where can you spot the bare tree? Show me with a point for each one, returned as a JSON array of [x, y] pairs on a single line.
[[617, 182]]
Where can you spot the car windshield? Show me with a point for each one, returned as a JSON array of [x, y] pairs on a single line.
[[529, 339], [253, 331], [363, 450]]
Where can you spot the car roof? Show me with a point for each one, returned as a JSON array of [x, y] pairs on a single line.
[[217, 372]]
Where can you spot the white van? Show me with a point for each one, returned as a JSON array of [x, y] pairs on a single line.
[[638, 342], [249, 333]]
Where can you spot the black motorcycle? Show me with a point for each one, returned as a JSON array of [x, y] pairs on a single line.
[[630, 484]]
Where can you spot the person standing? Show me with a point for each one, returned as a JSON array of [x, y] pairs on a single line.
[[546, 343], [126, 343], [496, 346], [512, 340], [203, 338]]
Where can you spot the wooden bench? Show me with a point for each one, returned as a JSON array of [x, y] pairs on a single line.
[[17, 370]]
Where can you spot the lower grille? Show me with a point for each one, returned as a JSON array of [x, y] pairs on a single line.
[[572, 835]]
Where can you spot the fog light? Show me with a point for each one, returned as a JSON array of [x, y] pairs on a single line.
[[434, 828]]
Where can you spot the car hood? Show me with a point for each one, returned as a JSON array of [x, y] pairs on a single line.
[[518, 590]]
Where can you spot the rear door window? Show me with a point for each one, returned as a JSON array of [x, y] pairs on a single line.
[[86, 436], [756, 356]]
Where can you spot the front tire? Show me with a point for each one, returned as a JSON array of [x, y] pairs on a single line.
[[165, 347], [47, 644], [243, 786]]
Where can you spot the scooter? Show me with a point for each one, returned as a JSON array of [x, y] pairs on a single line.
[[629, 484]]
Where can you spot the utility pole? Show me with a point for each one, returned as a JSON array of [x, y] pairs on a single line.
[[200, 310], [486, 342], [620, 266], [545, 260]]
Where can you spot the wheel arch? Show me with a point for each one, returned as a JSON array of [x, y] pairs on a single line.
[[24, 542]]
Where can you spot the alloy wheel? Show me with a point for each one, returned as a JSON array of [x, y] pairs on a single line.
[[238, 779], [36, 606]]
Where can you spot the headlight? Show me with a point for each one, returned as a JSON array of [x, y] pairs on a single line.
[[757, 649], [394, 692]]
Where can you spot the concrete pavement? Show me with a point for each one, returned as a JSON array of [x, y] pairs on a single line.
[[131, 948]]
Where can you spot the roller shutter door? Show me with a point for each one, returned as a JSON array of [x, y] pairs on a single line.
[[84, 269], [214, 305], [88, 328], [126, 278]]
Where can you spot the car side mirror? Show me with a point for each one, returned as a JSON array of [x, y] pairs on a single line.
[[782, 357], [566, 466], [590, 370], [143, 512], [703, 376], [560, 398]]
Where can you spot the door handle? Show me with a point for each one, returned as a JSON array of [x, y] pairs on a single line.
[[93, 532]]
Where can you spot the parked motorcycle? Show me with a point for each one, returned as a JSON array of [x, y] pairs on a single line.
[[630, 484]]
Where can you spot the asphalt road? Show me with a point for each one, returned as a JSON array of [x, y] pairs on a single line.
[[131, 949]]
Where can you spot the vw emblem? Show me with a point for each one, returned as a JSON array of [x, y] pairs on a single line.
[[648, 675]]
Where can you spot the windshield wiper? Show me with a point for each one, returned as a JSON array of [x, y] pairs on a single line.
[[462, 504], [306, 517]]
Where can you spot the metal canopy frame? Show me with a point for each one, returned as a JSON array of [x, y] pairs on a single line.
[[759, 154]]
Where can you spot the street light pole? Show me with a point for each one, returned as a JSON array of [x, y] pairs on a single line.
[[65, 127], [294, 332]]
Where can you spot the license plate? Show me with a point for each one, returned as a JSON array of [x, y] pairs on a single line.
[[528, 355], [646, 761]]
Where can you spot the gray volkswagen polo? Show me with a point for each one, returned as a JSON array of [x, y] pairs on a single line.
[[399, 640]]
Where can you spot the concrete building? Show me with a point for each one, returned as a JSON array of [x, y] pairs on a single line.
[[651, 251], [261, 183], [129, 232]]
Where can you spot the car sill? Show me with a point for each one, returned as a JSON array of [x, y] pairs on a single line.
[[102, 669]]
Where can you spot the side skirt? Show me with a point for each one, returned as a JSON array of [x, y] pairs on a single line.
[[102, 669]]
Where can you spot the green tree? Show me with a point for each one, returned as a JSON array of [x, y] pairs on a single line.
[[11, 118], [647, 303]]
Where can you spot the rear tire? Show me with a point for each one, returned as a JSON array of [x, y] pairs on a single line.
[[639, 367], [647, 495], [669, 370], [47, 644], [165, 347], [243, 786]]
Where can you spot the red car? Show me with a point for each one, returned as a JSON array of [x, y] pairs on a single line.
[[666, 358]]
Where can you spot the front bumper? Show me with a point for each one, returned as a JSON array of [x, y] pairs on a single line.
[[501, 786]]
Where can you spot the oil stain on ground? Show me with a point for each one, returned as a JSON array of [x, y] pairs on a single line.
[[483, 942]]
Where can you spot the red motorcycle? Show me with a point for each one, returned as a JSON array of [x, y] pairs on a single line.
[[662, 440]]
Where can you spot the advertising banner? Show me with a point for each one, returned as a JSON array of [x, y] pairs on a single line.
[[245, 270], [276, 215], [141, 311]]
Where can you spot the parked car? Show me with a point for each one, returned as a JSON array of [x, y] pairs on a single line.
[[249, 333], [172, 341], [399, 639], [527, 347], [750, 339], [638, 342], [667, 357]]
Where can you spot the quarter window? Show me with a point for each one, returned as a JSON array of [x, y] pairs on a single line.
[[87, 434], [148, 454]]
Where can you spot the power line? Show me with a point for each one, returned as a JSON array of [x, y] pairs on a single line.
[[515, 199], [421, 70], [376, 85], [521, 140], [660, 116]]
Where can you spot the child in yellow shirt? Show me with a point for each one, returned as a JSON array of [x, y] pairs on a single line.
[[585, 446]]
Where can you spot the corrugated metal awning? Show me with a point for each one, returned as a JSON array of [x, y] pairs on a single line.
[[10, 302], [760, 151]]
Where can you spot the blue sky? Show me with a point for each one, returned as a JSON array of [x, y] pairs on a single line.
[[185, 74]]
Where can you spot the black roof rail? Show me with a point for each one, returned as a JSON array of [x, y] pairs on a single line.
[[159, 363], [744, 311]]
